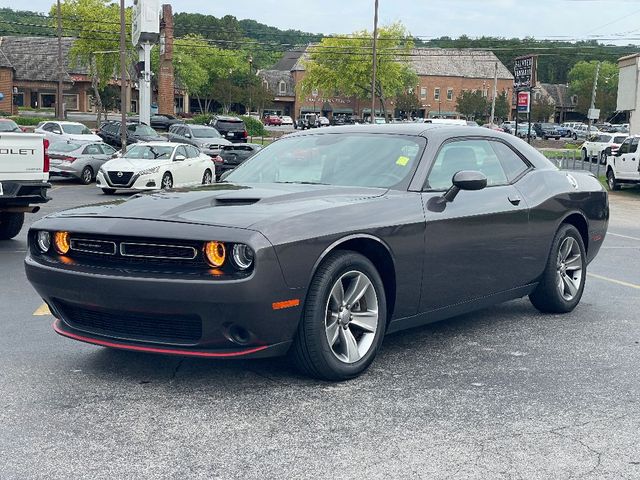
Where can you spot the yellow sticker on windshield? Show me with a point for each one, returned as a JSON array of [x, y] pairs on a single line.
[[403, 161]]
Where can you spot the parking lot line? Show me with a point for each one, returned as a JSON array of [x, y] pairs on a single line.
[[624, 236], [42, 311], [613, 280]]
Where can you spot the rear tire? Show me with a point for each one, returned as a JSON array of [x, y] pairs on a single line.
[[108, 191], [327, 313], [562, 283], [10, 224], [612, 183], [207, 177]]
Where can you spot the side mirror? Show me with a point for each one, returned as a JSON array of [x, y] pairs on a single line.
[[57, 132], [180, 158], [465, 180], [187, 135]]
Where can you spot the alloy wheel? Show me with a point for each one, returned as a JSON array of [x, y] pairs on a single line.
[[167, 182], [569, 268], [351, 319], [87, 176]]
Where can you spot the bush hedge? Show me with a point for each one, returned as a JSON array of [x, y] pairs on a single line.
[[255, 128], [29, 121]]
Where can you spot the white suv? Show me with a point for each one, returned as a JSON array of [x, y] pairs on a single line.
[[624, 165]]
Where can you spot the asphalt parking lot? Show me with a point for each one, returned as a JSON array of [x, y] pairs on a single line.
[[503, 393]]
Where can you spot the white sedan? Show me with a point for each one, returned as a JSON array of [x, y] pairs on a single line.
[[156, 165], [55, 131], [286, 120], [602, 145]]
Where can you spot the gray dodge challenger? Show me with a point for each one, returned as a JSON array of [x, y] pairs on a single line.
[[321, 244]]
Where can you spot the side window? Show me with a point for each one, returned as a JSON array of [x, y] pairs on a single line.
[[624, 148], [107, 149], [49, 127], [466, 155], [174, 129], [182, 151], [634, 145], [92, 150], [512, 164], [192, 151]]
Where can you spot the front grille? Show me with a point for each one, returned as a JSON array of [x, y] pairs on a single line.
[[177, 329], [100, 247], [164, 252], [120, 178]]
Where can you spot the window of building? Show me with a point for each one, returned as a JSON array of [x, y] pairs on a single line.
[[71, 101], [436, 94], [18, 99], [282, 87], [449, 93], [265, 84], [47, 100], [423, 93]]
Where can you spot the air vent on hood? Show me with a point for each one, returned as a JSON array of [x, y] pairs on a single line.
[[221, 201]]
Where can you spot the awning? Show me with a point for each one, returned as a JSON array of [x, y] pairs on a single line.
[[368, 111], [309, 110], [348, 111]]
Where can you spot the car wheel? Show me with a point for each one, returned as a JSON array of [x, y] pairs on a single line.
[[583, 154], [167, 181], [86, 177], [603, 158], [557, 138], [108, 191], [206, 178], [575, 136], [562, 283], [344, 318], [10, 224], [612, 183]]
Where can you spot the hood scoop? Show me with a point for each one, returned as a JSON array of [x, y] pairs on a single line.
[[237, 201]]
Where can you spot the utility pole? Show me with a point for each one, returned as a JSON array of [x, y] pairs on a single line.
[[593, 99], [495, 92], [60, 93], [123, 76], [373, 70]]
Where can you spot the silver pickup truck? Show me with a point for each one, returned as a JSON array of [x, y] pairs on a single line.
[[24, 175]]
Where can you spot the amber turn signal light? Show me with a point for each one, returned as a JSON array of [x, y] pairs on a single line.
[[61, 242], [215, 253]]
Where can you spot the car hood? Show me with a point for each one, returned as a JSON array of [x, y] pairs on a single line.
[[150, 138], [90, 137], [231, 205], [132, 164]]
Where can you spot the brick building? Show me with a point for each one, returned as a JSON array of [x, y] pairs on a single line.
[[442, 75]]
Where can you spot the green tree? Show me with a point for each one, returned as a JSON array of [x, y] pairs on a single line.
[[407, 102], [541, 109], [472, 105], [503, 106], [343, 65], [96, 25], [581, 79]]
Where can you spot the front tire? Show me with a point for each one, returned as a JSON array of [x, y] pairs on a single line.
[[612, 183], [10, 224], [167, 181], [562, 283], [86, 176], [344, 318], [207, 177]]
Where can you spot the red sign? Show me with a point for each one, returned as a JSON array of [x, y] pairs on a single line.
[[524, 101]]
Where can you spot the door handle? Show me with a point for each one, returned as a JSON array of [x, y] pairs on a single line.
[[515, 199]]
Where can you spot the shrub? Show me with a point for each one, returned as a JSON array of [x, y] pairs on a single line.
[[28, 121], [255, 128], [202, 118]]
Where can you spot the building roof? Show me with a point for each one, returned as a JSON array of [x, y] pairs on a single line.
[[558, 93], [439, 62], [273, 79], [36, 58], [454, 62]]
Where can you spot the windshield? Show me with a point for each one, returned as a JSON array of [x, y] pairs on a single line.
[[205, 132], [9, 126], [76, 129], [619, 139], [64, 147], [365, 160], [142, 130], [149, 152], [230, 125], [603, 138]]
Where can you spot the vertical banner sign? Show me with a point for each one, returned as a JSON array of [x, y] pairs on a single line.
[[524, 73], [524, 102]]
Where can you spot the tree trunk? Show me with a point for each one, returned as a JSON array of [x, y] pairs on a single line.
[[96, 91]]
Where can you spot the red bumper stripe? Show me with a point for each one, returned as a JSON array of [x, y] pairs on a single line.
[[169, 351]]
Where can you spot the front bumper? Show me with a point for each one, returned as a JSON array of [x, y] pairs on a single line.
[[137, 182], [225, 318]]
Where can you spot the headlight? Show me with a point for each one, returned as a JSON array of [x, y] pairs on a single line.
[[149, 171], [242, 256], [44, 241], [61, 242], [215, 253]]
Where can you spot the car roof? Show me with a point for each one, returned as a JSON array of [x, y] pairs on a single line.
[[160, 144], [228, 118]]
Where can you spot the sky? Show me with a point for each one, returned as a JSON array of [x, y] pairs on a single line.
[[613, 21]]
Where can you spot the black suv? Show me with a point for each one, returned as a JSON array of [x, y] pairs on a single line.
[[136, 132], [231, 128]]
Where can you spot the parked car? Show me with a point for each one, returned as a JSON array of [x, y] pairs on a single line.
[[493, 126], [569, 127], [154, 166], [323, 122], [286, 120], [583, 131], [272, 120], [9, 126], [302, 249], [231, 128], [547, 130], [55, 131], [508, 126], [600, 146], [234, 155], [77, 160], [306, 121], [109, 132], [523, 131], [24, 175], [163, 121], [623, 167], [207, 139]]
